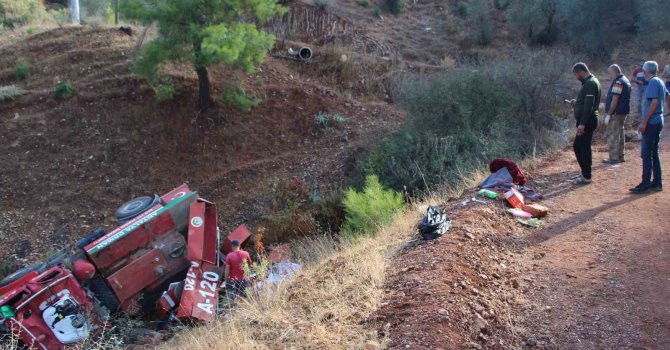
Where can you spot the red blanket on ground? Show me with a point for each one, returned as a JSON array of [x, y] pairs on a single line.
[[514, 170]]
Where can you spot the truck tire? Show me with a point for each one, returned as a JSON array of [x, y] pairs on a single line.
[[135, 207], [104, 294]]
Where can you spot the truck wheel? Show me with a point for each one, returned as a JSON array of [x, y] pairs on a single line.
[[135, 207], [18, 274], [101, 291]]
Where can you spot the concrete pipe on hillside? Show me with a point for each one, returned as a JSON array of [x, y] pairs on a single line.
[[303, 53]]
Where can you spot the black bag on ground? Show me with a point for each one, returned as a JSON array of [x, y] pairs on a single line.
[[434, 224]]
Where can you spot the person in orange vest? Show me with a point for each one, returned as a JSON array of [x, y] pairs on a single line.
[[235, 272]]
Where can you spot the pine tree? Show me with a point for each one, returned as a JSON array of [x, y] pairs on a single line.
[[204, 33]]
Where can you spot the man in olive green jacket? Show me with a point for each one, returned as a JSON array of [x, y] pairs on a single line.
[[586, 117]]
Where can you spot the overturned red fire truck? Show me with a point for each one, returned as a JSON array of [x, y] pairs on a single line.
[[165, 258]]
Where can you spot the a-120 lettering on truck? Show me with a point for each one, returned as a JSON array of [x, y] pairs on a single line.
[[164, 259]]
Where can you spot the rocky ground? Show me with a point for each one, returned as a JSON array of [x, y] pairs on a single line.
[[594, 276]]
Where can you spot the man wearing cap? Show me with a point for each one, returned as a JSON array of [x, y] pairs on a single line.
[[586, 117], [650, 128], [237, 263], [617, 107]]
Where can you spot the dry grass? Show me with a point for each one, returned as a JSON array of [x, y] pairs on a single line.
[[326, 304], [322, 307]]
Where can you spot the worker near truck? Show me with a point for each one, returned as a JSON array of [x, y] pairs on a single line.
[[617, 107], [237, 265], [586, 118]]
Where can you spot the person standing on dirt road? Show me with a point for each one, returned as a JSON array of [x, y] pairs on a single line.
[[637, 78], [235, 273], [586, 117], [617, 107], [666, 76], [650, 128]]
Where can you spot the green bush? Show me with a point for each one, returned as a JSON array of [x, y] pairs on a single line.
[[22, 69], [14, 13], [459, 120], [59, 17], [165, 92], [480, 21], [10, 92], [324, 119], [63, 90], [652, 22], [238, 97], [371, 208], [97, 11], [395, 6], [377, 11]]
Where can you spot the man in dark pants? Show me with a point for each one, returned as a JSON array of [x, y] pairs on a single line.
[[586, 117], [650, 128]]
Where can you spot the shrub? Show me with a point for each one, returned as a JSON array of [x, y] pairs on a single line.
[[97, 11], [371, 208], [395, 6], [289, 214], [480, 20], [323, 119], [63, 90], [363, 3], [165, 92], [30, 30], [10, 92], [22, 69], [59, 17], [459, 120], [238, 97], [377, 11], [322, 5], [651, 22], [14, 13]]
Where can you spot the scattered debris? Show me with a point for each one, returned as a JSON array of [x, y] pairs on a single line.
[[537, 210], [518, 213], [514, 198], [488, 193], [434, 224], [532, 222]]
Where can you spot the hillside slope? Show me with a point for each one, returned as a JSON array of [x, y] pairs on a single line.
[[67, 165]]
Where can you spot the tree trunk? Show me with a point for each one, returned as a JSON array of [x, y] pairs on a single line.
[[203, 84], [74, 11], [116, 12]]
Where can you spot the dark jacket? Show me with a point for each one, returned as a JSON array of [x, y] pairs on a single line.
[[588, 100], [620, 86]]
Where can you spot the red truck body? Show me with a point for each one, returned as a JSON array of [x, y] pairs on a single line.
[[166, 259]]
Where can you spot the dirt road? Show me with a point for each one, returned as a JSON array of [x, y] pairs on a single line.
[[601, 267], [595, 276]]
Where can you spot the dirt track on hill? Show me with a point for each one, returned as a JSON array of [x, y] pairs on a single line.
[[595, 276]]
